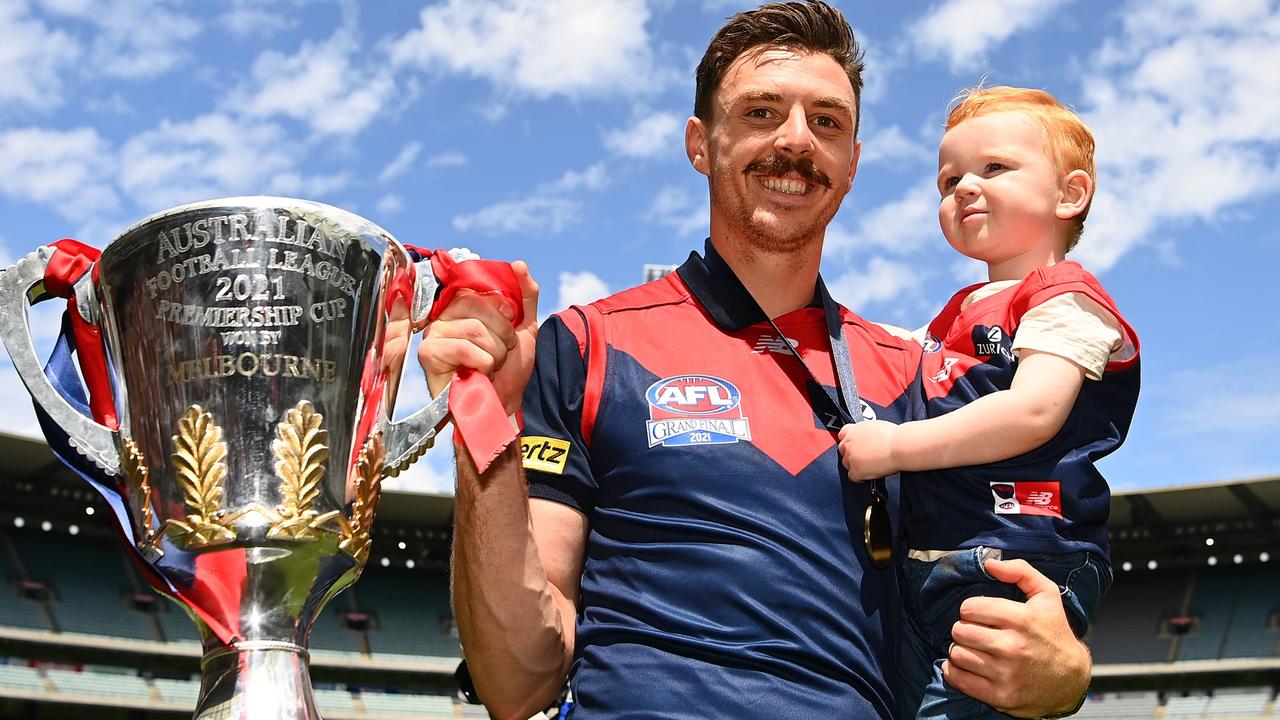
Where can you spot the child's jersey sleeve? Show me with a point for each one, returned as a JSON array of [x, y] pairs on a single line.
[[555, 460], [1074, 327]]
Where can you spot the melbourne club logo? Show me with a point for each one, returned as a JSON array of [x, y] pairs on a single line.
[[991, 341], [930, 344], [695, 410]]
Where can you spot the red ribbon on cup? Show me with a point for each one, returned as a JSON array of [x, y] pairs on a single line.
[[478, 415]]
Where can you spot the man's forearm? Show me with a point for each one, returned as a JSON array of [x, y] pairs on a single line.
[[508, 614]]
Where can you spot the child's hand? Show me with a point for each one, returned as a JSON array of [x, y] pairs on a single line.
[[866, 449]]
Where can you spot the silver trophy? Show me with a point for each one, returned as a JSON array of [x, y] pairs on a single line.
[[254, 346]]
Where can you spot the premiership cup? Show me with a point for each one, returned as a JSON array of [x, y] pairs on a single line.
[[253, 347]]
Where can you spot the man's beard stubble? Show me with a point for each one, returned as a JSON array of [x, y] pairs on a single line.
[[781, 240]]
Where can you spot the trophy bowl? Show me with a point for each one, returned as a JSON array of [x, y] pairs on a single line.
[[250, 353]]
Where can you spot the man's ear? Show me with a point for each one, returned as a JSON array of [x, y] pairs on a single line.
[[695, 145], [853, 166], [1077, 191]]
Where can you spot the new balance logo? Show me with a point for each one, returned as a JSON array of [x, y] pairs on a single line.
[[773, 343]]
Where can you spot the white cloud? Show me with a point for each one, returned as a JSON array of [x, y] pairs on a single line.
[[247, 18], [902, 226], [1187, 117], [208, 156], [31, 57], [595, 177], [654, 134], [547, 211], [890, 145], [536, 215], [401, 163], [319, 86], [676, 208], [69, 170], [964, 30], [538, 48], [134, 38], [389, 204], [447, 159], [881, 281], [580, 288]]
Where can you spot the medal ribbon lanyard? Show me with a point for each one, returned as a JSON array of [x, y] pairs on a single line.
[[877, 533]]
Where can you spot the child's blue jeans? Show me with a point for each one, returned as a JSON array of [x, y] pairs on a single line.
[[933, 591]]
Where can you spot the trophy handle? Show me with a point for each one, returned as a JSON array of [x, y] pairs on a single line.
[[21, 286], [409, 438]]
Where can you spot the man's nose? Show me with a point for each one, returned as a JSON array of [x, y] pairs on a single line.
[[794, 135]]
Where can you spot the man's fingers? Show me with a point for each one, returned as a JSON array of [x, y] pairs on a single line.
[[993, 612], [487, 310], [975, 685], [980, 638], [528, 290], [447, 354], [1019, 572]]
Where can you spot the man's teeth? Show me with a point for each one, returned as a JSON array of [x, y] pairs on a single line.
[[791, 187]]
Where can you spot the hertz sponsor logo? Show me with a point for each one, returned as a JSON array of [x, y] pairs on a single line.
[[544, 454]]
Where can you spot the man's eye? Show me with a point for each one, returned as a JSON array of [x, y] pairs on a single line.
[[825, 121], [758, 113]]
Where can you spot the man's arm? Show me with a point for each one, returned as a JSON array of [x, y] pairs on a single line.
[[516, 568], [1020, 658], [515, 562], [992, 428]]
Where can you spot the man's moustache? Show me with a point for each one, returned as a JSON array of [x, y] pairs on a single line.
[[780, 165]]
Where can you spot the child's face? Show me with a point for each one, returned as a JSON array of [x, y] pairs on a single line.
[[1000, 191]]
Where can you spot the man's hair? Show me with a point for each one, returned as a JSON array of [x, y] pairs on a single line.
[[1069, 140], [811, 26]]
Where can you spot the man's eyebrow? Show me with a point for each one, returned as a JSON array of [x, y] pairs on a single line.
[[759, 96], [832, 102]]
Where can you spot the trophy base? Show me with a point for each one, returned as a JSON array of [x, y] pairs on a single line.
[[256, 680]]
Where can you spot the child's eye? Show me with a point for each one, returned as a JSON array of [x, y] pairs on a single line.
[[949, 183], [995, 167]]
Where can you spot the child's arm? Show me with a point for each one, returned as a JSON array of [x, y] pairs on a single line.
[[992, 428]]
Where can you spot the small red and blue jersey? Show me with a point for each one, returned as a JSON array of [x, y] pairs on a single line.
[[725, 571], [1053, 499]]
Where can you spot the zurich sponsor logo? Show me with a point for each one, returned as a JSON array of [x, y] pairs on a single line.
[[695, 410]]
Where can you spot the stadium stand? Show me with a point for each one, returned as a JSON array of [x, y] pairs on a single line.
[[1180, 635]]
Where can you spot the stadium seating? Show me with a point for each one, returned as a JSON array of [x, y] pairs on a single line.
[[1238, 703], [1125, 628], [95, 684], [21, 678], [1248, 635], [1186, 706], [409, 607], [1120, 706], [1215, 594], [90, 580]]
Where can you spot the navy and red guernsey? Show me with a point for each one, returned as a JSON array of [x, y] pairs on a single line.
[[725, 573], [1051, 500]]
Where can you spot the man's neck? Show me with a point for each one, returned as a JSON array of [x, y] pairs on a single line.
[[779, 282]]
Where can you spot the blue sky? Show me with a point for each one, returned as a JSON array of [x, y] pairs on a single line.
[[551, 130]]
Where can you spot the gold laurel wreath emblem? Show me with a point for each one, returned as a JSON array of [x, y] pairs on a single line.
[[302, 452], [368, 485], [200, 464], [138, 477]]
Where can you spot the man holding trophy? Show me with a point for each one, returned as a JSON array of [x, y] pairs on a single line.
[[689, 547]]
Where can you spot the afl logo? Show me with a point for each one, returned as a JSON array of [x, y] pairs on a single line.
[[693, 395], [931, 344]]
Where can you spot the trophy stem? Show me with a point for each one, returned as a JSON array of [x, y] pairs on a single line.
[[256, 680]]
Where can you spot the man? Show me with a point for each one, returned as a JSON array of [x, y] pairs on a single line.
[[685, 540]]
